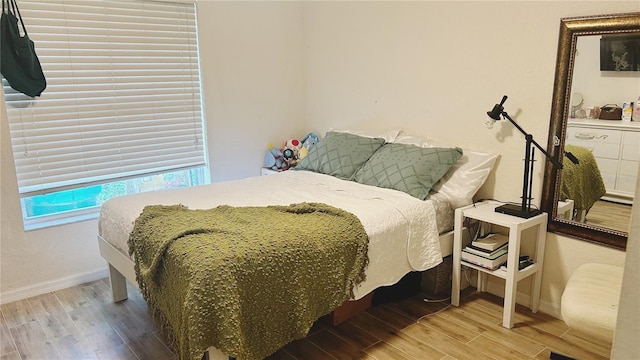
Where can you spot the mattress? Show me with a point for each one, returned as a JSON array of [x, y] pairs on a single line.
[[403, 231]]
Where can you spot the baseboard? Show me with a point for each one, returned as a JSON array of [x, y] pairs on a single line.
[[53, 285], [73, 280], [525, 300]]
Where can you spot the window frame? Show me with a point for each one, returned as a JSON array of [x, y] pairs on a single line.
[[29, 10]]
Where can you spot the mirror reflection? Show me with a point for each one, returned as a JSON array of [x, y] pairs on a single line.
[[602, 132], [597, 79]]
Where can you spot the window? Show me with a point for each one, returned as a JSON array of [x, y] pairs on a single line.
[[121, 112]]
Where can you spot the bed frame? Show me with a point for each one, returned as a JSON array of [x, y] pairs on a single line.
[[121, 269]]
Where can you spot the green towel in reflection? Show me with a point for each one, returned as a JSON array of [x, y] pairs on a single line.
[[581, 182]]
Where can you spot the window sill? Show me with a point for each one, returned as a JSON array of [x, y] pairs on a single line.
[[46, 221]]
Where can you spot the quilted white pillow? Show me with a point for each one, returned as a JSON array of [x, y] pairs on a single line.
[[413, 140], [465, 177], [387, 135]]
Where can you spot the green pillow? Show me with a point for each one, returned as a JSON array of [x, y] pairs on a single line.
[[408, 168], [340, 154]]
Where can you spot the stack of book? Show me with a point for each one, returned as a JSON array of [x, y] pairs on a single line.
[[488, 252]]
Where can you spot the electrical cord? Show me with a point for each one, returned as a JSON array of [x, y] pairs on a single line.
[[441, 310], [437, 300], [466, 271], [534, 206], [433, 313]]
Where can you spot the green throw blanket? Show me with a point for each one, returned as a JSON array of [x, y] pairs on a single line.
[[247, 280], [581, 182]]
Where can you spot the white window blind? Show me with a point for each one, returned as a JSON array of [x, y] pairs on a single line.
[[122, 97]]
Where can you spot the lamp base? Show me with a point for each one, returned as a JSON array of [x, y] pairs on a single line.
[[516, 210]]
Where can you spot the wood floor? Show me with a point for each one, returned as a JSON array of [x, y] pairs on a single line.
[[82, 323], [611, 215]]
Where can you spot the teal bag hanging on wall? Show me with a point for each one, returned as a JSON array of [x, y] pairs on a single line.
[[19, 63]]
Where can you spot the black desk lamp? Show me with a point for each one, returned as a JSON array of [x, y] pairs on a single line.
[[524, 210]]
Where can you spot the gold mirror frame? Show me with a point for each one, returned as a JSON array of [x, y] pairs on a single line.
[[570, 30]]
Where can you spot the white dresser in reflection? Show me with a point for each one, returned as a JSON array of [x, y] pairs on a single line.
[[616, 146]]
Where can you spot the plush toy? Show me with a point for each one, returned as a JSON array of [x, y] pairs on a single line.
[[293, 144], [291, 152], [290, 158], [274, 158], [308, 142], [302, 153]]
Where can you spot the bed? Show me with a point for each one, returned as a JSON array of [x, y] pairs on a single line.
[[405, 233]]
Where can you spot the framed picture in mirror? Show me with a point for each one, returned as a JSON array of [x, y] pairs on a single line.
[[620, 53]]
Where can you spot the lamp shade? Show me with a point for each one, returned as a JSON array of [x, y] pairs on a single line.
[[497, 109]]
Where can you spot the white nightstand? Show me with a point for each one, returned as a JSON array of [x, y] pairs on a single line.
[[485, 212], [565, 209]]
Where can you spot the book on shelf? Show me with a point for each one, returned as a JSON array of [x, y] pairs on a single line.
[[491, 242], [486, 253], [490, 264]]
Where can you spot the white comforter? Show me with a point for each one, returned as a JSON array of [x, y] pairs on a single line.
[[403, 234]]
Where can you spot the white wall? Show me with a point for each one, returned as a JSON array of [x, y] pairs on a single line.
[[253, 80], [600, 87], [275, 70]]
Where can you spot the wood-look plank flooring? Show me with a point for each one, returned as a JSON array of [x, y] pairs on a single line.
[[82, 323], [611, 215]]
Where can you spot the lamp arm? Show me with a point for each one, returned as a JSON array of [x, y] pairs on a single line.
[[555, 162]]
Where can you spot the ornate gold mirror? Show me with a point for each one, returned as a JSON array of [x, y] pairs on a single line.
[[582, 39]]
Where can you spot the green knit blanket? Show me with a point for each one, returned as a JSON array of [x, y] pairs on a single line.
[[581, 182], [246, 280]]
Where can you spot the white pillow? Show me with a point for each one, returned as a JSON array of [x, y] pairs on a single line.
[[387, 135], [465, 177], [414, 140]]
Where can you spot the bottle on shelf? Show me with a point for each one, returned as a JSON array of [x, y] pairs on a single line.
[[636, 110], [627, 111]]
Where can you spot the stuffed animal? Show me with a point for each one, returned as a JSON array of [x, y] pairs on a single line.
[[308, 142], [302, 153], [291, 152], [293, 144], [274, 159]]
